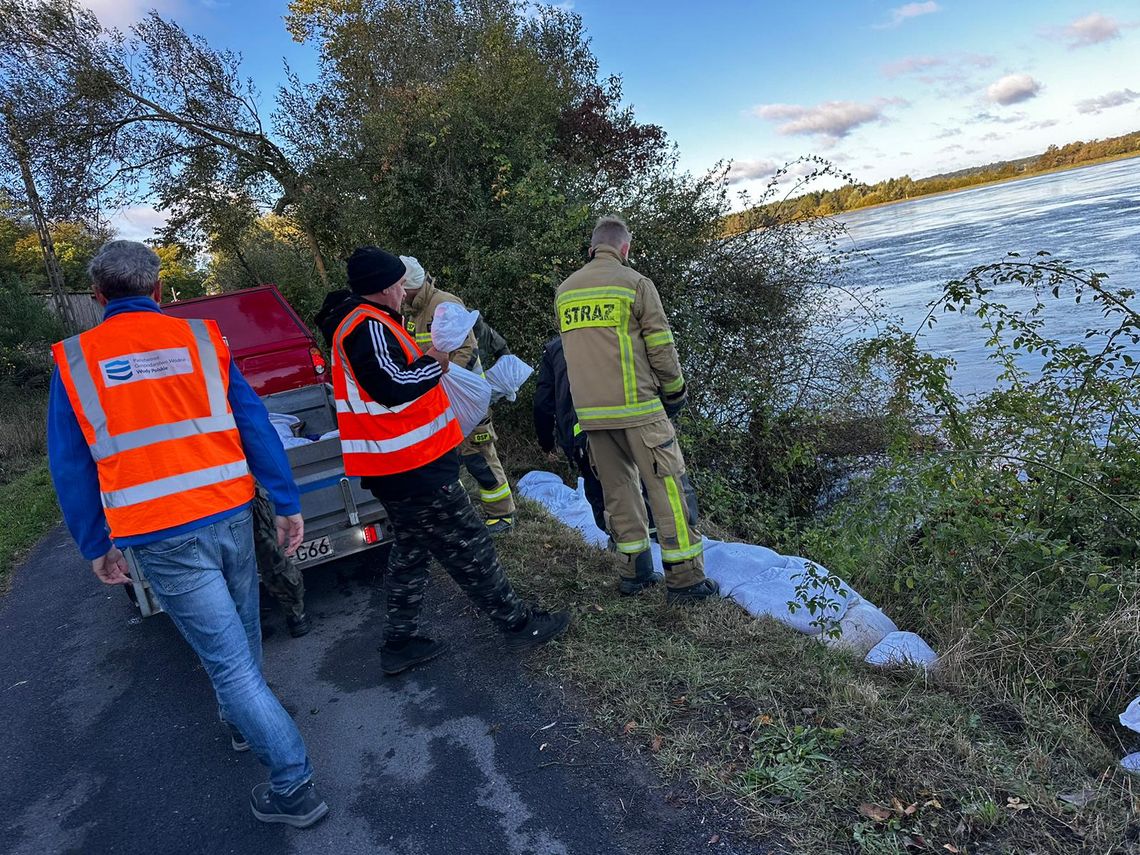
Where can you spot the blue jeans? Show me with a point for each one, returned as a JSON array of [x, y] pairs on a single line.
[[206, 580]]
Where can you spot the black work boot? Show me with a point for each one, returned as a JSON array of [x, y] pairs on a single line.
[[539, 628], [399, 657], [644, 575], [298, 626], [500, 525], [300, 809], [702, 590]]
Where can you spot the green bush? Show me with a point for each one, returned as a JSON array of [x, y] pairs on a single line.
[[27, 330], [1008, 534]]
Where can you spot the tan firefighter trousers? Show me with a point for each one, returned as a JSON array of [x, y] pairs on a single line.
[[480, 459], [649, 454]]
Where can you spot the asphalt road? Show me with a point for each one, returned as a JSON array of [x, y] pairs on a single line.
[[109, 741]]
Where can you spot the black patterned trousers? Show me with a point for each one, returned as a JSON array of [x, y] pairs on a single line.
[[443, 524]]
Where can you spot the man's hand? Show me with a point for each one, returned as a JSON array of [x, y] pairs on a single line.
[[112, 568], [290, 532], [552, 456], [439, 356], [676, 403]]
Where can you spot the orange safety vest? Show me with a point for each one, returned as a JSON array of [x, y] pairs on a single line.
[[150, 393], [380, 440]]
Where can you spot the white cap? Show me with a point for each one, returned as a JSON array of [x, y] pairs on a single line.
[[415, 275]]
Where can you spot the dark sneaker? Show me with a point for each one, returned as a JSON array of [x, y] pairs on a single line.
[[500, 525], [644, 576], [237, 741], [540, 628], [415, 651], [298, 626], [702, 590], [300, 809]]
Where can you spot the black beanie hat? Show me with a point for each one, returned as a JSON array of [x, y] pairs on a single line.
[[371, 270]]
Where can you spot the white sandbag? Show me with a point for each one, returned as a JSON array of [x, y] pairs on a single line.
[[284, 424], [470, 395], [760, 579], [862, 627], [507, 376], [902, 648], [450, 325], [1130, 718], [1131, 764]]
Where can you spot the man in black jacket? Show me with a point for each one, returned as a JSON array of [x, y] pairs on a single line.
[[430, 512], [556, 422]]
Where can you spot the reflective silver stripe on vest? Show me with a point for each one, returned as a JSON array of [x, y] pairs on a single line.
[[371, 408], [210, 360], [85, 388], [106, 445], [397, 443], [161, 433], [174, 485]]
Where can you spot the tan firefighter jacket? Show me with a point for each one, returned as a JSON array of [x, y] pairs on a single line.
[[418, 314], [619, 350]]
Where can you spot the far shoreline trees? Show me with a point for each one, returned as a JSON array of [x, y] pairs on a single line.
[[855, 195]]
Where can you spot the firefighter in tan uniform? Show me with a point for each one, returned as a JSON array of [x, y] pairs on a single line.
[[626, 382], [478, 450]]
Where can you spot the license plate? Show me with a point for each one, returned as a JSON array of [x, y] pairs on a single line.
[[313, 550]]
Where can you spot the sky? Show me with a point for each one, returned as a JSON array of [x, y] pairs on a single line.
[[882, 89]]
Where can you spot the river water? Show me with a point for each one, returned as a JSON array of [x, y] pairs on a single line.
[[1088, 216]]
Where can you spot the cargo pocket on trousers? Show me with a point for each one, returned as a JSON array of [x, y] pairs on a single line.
[[661, 440]]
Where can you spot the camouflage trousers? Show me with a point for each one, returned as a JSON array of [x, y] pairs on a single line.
[[443, 524], [280, 576]]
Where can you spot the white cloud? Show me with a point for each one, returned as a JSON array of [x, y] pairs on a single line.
[[1042, 125], [1106, 102], [137, 223], [910, 10], [831, 120], [1013, 89], [751, 170], [912, 64], [1089, 30], [123, 13]]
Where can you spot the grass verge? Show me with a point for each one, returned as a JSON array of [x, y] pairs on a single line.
[[810, 746], [27, 511]]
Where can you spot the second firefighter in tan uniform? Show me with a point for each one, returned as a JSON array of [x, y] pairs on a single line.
[[478, 450], [626, 382]]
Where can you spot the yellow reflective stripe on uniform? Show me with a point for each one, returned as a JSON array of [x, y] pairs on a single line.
[[577, 428], [659, 339], [676, 556], [576, 294], [423, 338], [496, 494], [632, 547], [174, 484], [680, 520], [673, 386], [586, 414], [625, 345]]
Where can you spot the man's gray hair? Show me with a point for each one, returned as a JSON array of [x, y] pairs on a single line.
[[124, 268], [611, 230]]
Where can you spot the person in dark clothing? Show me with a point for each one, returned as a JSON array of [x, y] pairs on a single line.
[[556, 423], [398, 433]]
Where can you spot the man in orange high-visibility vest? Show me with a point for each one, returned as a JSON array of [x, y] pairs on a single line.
[[398, 433], [153, 441]]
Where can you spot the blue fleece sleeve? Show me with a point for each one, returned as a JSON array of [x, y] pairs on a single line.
[[74, 475], [263, 449]]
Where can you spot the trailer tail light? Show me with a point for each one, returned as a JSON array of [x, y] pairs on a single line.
[[318, 359], [371, 534]]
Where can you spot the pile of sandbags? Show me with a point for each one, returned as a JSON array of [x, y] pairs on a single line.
[[762, 581]]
